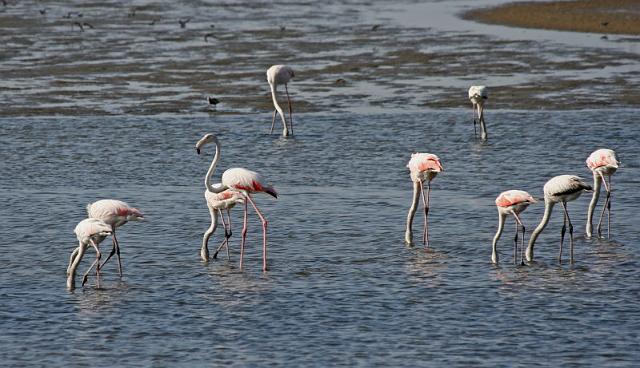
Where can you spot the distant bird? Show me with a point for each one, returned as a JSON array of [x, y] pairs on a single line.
[[276, 75], [422, 167], [478, 95], [559, 189], [212, 101], [183, 22], [375, 27], [341, 81], [604, 24], [92, 232], [511, 202], [79, 26], [206, 37], [602, 162], [283, 28], [243, 181], [43, 11], [114, 213]]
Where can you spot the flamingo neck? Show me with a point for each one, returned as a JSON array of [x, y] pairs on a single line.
[[278, 108], [597, 182], [548, 208], [212, 169], [501, 220]]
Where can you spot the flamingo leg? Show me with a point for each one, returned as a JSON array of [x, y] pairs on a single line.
[[519, 222], [229, 222], [483, 126], [244, 232], [515, 246], [118, 253], [95, 263], [273, 121], [564, 206], [426, 211], [264, 233], [606, 206], [473, 113], [225, 241], [113, 249], [290, 109], [562, 232]]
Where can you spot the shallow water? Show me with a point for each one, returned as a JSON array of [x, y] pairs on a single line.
[[342, 287]]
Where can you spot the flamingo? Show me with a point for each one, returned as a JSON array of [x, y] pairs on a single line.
[[280, 74], [115, 213], [88, 231], [602, 162], [423, 167], [245, 182], [478, 95], [511, 202], [559, 189]]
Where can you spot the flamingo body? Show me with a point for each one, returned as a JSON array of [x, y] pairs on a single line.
[[510, 202], [603, 163], [559, 189], [246, 181], [280, 75], [423, 167]]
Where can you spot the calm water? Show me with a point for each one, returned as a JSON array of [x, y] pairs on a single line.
[[343, 289]]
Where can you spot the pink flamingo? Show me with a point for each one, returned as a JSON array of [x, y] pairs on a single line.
[[243, 181], [559, 189], [511, 202], [478, 95], [602, 162], [114, 213], [280, 74], [88, 231], [423, 167]]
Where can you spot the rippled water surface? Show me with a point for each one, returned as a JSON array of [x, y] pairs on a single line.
[[343, 289]]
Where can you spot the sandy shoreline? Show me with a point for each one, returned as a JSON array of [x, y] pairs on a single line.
[[597, 16]]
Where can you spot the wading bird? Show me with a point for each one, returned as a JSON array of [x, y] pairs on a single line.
[[276, 75], [559, 189], [602, 162], [114, 213], [422, 167], [511, 202], [243, 181], [88, 231], [478, 95]]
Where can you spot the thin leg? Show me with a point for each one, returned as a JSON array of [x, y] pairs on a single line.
[[117, 252], [519, 222], [244, 232], [273, 121], [95, 264], [426, 210], [228, 222], [483, 126], [225, 241], [609, 210], [113, 249], [515, 245], [605, 207], [264, 233], [564, 206], [564, 229], [473, 112], [290, 109]]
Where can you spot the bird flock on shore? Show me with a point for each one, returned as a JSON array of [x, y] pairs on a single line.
[[239, 184]]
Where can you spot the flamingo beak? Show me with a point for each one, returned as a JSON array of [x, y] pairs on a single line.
[[198, 150]]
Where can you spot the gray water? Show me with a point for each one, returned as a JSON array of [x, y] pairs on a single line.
[[342, 288]]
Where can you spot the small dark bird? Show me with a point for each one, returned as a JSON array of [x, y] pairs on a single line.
[[87, 25], [283, 28], [212, 101], [43, 11], [132, 13], [207, 36], [79, 26], [183, 23], [375, 27], [605, 24], [340, 81], [153, 22], [604, 37]]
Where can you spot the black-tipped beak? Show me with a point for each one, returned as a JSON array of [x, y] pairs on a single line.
[[198, 150]]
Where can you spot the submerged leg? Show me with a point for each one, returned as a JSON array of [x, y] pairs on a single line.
[[290, 109], [515, 245], [564, 206], [605, 207], [244, 232], [225, 241], [113, 249], [473, 112], [562, 232], [425, 206], [519, 222], [95, 264]]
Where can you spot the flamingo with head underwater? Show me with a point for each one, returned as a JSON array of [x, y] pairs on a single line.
[[602, 163], [423, 167], [478, 95], [276, 75], [92, 232], [559, 189], [511, 202], [243, 181]]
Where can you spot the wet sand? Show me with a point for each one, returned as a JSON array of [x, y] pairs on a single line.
[[598, 16], [140, 61]]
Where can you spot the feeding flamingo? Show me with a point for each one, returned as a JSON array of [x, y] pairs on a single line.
[[478, 95], [423, 167], [218, 199], [559, 189], [243, 181], [114, 213], [88, 231], [511, 202], [602, 162], [276, 75]]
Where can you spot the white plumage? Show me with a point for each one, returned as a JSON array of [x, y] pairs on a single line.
[[603, 163], [423, 167], [478, 95], [510, 202], [277, 75], [90, 231]]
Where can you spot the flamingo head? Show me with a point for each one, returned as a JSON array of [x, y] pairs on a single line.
[[135, 215], [208, 138]]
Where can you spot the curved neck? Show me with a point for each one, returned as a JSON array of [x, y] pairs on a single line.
[[597, 182], [212, 168], [501, 220], [275, 104], [548, 208]]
